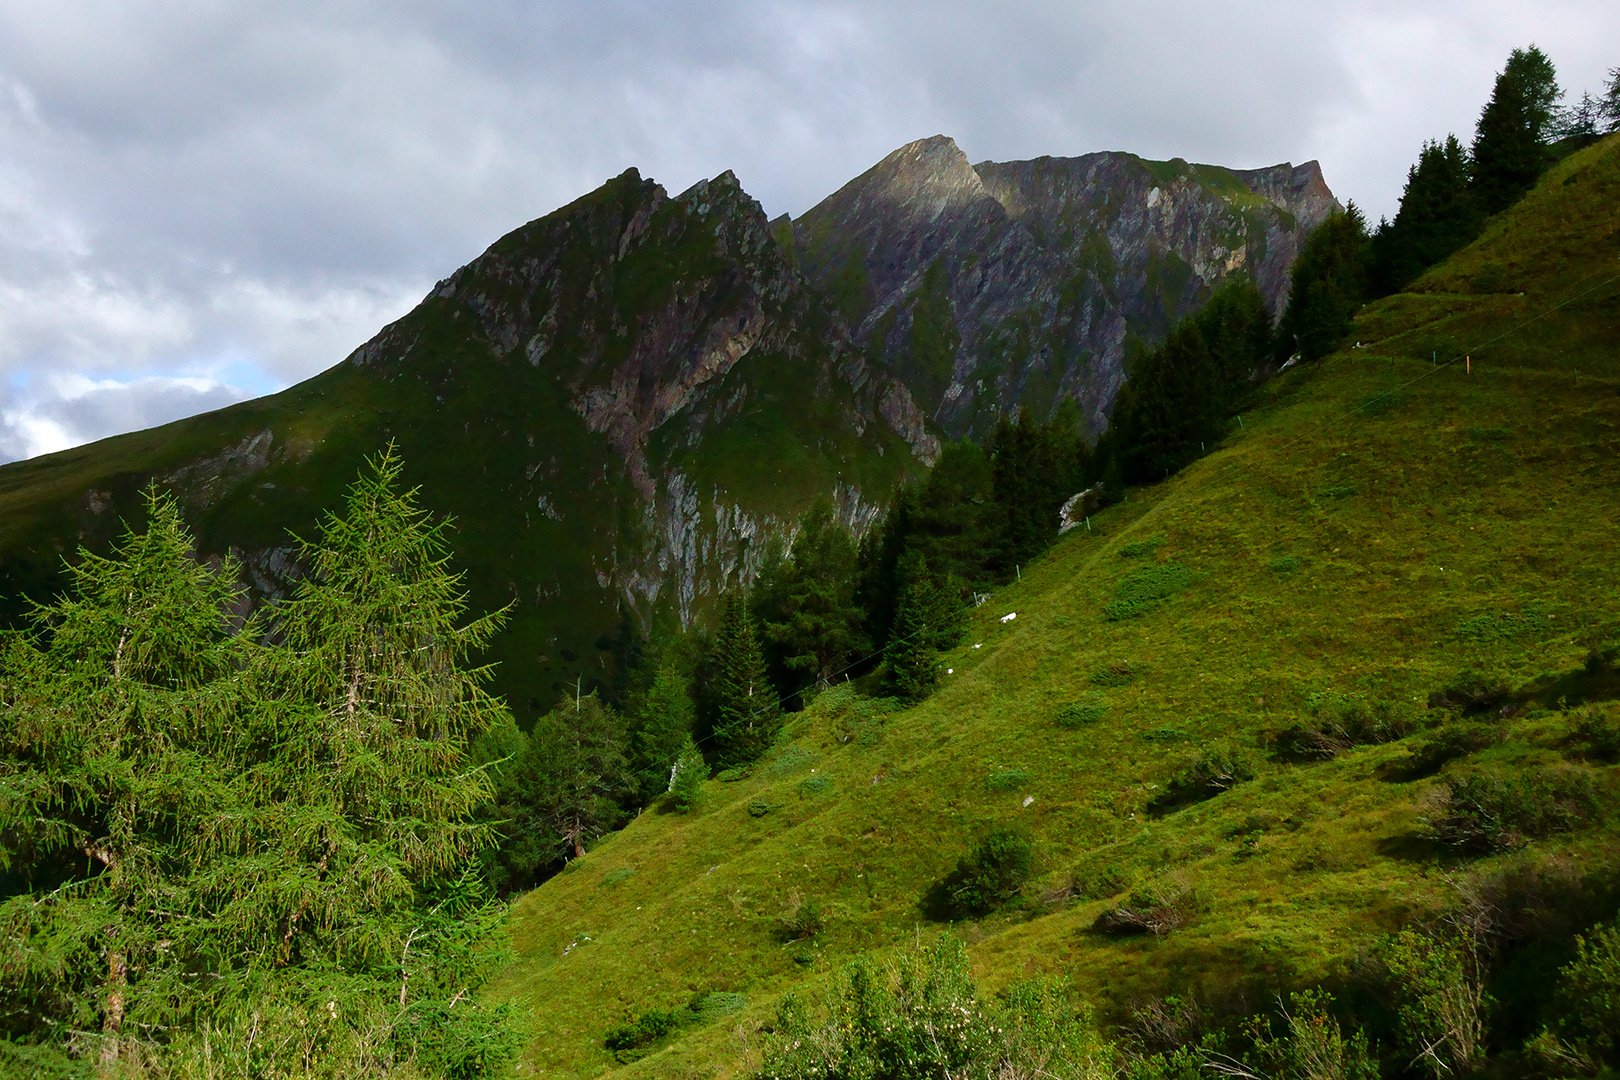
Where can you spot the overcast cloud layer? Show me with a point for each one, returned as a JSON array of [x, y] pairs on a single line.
[[205, 201]]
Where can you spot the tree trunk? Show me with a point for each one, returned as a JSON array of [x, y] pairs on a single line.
[[112, 1016]]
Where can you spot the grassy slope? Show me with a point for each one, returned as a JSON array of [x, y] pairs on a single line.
[[1415, 499]]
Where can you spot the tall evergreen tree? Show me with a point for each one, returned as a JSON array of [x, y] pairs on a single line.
[[745, 707], [1609, 103], [1437, 216], [1328, 284], [582, 772], [1510, 151], [1582, 124], [116, 756], [929, 618], [1030, 478], [806, 602], [664, 719]]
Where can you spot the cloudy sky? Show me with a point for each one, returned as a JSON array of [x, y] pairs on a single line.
[[205, 200]]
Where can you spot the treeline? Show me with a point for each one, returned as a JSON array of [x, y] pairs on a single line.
[[829, 608], [255, 843]]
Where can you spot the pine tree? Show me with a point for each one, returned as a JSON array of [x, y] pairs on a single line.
[[1327, 287], [745, 706], [665, 717], [1510, 151], [356, 872], [1609, 103], [581, 773], [807, 602], [1582, 124], [116, 754], [686, 776], [927, 620], [1438, 215]]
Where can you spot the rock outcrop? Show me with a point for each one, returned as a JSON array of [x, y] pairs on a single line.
[[1002, 285]]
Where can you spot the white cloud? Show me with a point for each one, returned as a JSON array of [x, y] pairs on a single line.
[[244, 192]]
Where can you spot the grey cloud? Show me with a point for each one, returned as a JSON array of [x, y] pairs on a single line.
[[264, 185]]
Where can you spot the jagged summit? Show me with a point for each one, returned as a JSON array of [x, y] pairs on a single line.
[[1009, 285]]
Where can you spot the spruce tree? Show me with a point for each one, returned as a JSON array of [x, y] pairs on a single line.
[[118, 750], [1510, 151], [807, 602], [686, 776], [1609, 103], [745, 706], [1437, 216], [928, 619], [582, 778], [665, 717], [353, 905], [1326, 288]]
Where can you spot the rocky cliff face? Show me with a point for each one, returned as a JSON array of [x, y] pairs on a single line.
[[620, 402], [1005, 284]]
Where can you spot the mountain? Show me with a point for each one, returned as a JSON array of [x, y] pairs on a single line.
[[617, 402], [621, 401], [1002, 285], [1253, 701]]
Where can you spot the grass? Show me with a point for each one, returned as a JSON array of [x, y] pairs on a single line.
[[1293, 871]]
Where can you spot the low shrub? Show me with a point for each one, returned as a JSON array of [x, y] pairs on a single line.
[[1007, 779], [1101, 882], [1472, 693], [1450, 743], [615, 876], [922, 1017], [630, 1041], [812, 786], [1163, 907], [792, 760], [1204, 776], [1113, 675], [1355, 724], [986, 878], [1596, 736], [1137, 548], [759, 807], [1087, 710], [1141, 592], [1285, 564], [803, 919], [1491, 812], [1587, 1030], [1310, 1043]]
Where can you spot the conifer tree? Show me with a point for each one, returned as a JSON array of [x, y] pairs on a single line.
[[745, 704], [1437, 216], [1609, 103], [354, 882], [807, 602], [116, 756], [582, 775], [1510, 142], [927, 620], [686, 776], [1327, 287], [665, 717]]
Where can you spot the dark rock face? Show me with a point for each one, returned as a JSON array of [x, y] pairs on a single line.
[[1017, 284]]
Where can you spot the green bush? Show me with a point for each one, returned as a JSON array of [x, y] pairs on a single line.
[[1596, 737], [1137, 548], [802, 920], [1352, 725], [1113, 675], [1285, 564], [986, 878], [1141, 592], [1450, 743], [922, 1018], [1205, 775], [1312, 1044], [759, 807], [811, 786], [1588, 999], [1101, 882], [1472, 693], [1491, 812], [1165, 906], [626, 1040], [1007, 779], [1085, 711]]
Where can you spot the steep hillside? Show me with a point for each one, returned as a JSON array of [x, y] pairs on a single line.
[[616, 401], [990, 286], [1441, 496]]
